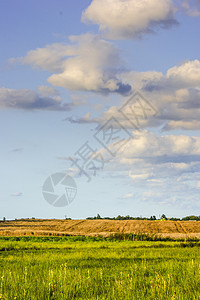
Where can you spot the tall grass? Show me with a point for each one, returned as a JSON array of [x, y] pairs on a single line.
[[101, 269], [147, 237], [112, 237]]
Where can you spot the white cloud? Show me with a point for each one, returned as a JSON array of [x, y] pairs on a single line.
[[181, 76], [152, 157], [175, 96], [167, 166], [158, 168], [152, 161], [145, 144], [30, 100], [87, 64], [124, 19], [49, 58], [187, 74], [92, 68]]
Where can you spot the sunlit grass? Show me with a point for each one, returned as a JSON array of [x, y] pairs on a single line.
[[89, 269]]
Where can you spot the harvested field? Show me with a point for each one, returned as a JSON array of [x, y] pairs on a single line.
[[42, 227]]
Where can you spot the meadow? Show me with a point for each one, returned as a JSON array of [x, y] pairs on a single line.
[[98, 268]]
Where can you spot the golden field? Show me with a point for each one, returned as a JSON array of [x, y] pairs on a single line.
[[54, 227]]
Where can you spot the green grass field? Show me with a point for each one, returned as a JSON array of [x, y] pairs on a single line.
[[94, 268]]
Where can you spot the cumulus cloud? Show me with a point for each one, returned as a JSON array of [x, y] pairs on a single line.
[[87, 64], [124, 19], [153, 158], [155, 162], [30, 100], [49, 58], [150, 164], [135, 112], [178, 95], [185, 75], [171, 100], [167, 148], [181, 76]]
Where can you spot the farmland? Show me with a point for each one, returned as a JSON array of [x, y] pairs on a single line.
[[42, 227], [99, 259]]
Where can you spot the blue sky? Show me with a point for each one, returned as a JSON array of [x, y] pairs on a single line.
[[66, 68]]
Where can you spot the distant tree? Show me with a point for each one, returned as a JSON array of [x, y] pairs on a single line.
[[163, 216], [4, 219], [119, 217], [191, 218]]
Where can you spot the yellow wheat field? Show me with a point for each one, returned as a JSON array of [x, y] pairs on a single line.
[[41, 227]]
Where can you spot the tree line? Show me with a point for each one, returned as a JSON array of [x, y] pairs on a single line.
[[163, 217]]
